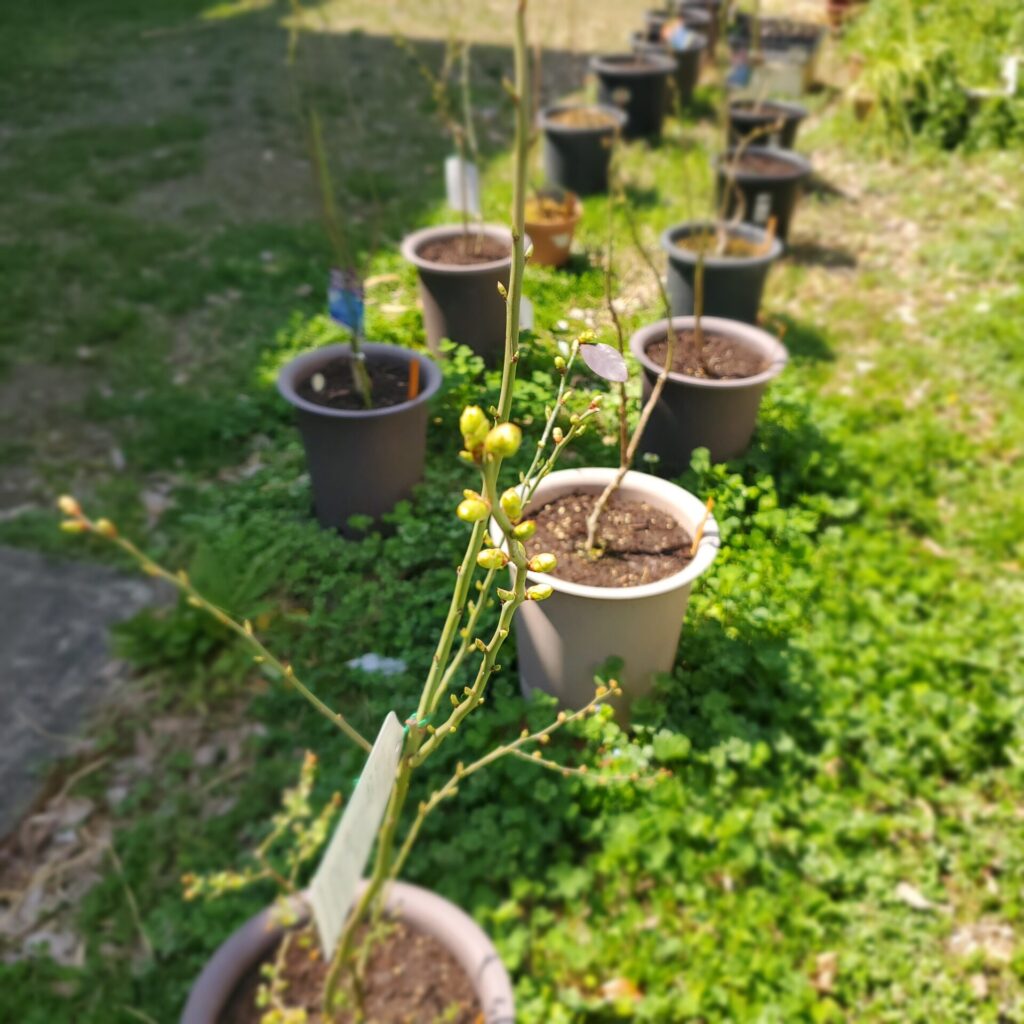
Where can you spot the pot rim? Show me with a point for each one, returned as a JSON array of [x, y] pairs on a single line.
[[736, 329], [304, 365], [800, 164], [413, 242], [604, 63], [617, 115], [681, 498], [698, 41], [790, 111], [559, 225], [750, 232], [423, 909]]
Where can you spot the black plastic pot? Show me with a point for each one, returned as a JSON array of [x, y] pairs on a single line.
[[637, 84], [733, 285], [694, 412], [577, 158], [699, 18], [783, 120], [361, 461], [462, 302], [687, 61], [654, 22], [763, 194]]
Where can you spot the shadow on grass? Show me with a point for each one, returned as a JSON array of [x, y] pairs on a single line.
[[801, 339], [810, 253]]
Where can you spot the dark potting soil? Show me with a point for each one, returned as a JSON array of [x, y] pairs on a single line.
[[628, 66], [583, 117], [708, 243], [640, 543], [464, 250], [769, 166], [756, 109], [409, 977], [389, 378], [719, 358]]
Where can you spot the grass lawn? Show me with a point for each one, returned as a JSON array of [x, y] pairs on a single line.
[[841, 836]]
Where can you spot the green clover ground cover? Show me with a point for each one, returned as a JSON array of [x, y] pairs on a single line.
[[844, 721]]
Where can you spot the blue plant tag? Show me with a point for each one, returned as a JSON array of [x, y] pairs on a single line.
[[681, 37], [740, 73], [345, 299]]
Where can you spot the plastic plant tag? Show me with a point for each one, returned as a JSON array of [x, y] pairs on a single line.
[[681, 37], [345, 299], [740, 73], [762, 208], [333, 889], [462, 183], [605, 361], [525, 314]]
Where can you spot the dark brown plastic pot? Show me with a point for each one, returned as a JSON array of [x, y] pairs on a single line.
[[687, 60], [576, 157], [766, 195], [733, 285], [462, 302], [695, 412], [420, 909], [637, 83], [361, 461], [781, 119]]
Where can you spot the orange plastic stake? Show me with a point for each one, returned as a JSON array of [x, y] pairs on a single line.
[[414, 378], [700, 529]]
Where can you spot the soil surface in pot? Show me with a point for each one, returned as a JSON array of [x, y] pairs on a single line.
[[549, 210], [583, 117], [464, 250], [769, 166], [641, 543], [719, 358], [766, 109], [707, 242], [628, 65], [410, 977], [389, 378]]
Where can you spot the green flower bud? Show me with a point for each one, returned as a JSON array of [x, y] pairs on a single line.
[[559, 364], [474, 425], [472, 510], [524, 531], [504, 595], [544, 562], [540, 592], [512, 504], [503, 440], [492, 558]]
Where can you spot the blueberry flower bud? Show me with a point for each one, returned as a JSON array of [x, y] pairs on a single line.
[[492, 558], [524, 531], [474, 425], [68, 505], [105, 528], [512, 504], [472, 510], [540, 592], [544, 562], [559, 364], [503, 440]]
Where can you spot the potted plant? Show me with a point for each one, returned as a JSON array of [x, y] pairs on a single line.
[[636, 83], [361, 408], [686, 48], [348, 935], [774, 121], [460, 266], [758, 183], [626, 546], [578, 141], [551, 218]]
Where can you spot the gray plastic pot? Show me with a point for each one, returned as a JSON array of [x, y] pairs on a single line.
[[637, 83], [577, 158], [733, 285], [766, 195], [361, 461], [462, 302], [419, 908], [695, 412], [564, 640]]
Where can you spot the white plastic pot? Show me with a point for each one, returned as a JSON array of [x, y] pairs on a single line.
[[564, 640]]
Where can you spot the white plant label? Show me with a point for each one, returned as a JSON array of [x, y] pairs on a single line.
[[762, 208], [525, 314], [462, 183], [333, 889]]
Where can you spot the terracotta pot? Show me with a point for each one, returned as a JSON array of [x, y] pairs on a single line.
[[562, 641], [764, 195], [419, 908], [462, 302], [687, 61], [783, 119], [576, 158], [695, 412], [637, 83], [361, 461], [552, 239], [733, 285]]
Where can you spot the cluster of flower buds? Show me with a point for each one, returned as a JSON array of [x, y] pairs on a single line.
[[480, 439], [78, 522]]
